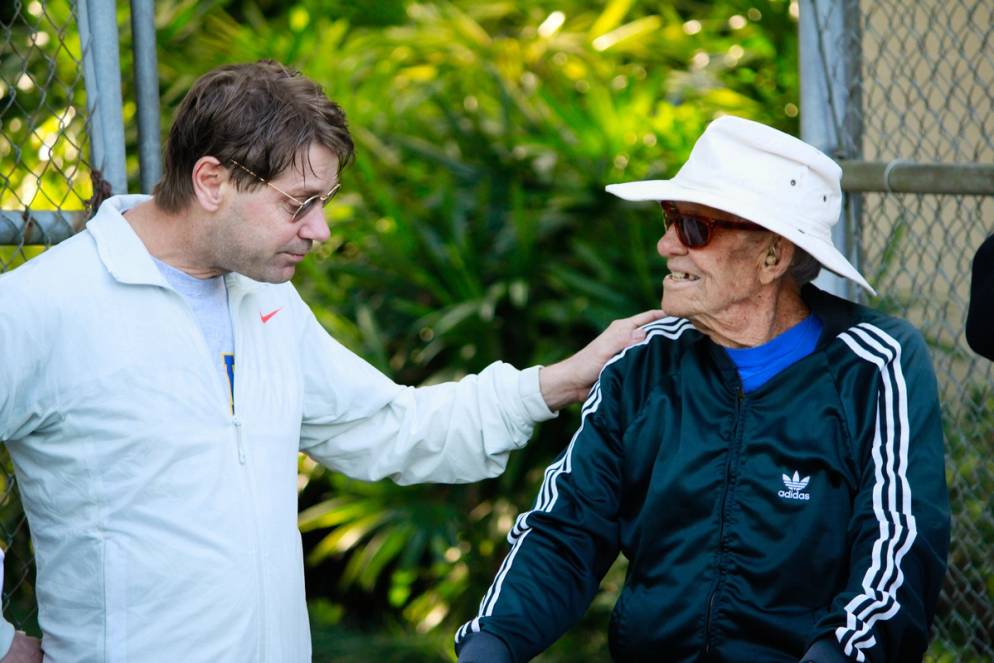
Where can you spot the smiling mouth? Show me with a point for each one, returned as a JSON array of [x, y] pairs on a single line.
[[681, 277]]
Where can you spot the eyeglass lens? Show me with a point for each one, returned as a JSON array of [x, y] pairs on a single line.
[[308, 204], [305, 207], [693, 232]]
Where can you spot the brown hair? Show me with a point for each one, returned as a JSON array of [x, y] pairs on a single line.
[[262, 114]]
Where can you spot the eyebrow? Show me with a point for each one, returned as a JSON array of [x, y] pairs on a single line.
[[303, 194]]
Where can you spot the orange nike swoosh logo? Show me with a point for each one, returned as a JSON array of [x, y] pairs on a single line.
[[265, 318]]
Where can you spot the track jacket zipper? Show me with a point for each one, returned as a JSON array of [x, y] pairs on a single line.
[[732, 462]]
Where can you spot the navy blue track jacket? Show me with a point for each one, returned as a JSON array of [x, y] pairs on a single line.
[[813, 509]]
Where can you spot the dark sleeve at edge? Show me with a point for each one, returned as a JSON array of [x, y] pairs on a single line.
[[484, 647], [825, 650], [980, 316]]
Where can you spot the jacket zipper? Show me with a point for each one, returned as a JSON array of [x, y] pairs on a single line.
[[249, 486], [242, 460], [238, 439], [732, 457]]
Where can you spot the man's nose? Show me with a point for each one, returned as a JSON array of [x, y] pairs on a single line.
[[669, 244], [315, 225]]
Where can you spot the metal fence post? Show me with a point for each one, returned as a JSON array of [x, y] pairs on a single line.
[[827, 68], [98, 37], [146, 91]]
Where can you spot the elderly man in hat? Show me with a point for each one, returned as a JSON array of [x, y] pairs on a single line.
[[769, 460]]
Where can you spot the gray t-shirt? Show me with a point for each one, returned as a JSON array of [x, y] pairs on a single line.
[[208, 299]]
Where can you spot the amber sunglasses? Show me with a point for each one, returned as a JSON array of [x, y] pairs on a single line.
[[696, 231]]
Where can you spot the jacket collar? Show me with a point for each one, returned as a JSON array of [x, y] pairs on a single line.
[[124, 254], [837, 314]]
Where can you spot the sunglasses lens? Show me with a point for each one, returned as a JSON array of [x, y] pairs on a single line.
[[694, 232]]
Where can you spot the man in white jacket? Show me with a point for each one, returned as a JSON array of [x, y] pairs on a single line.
[[160, 375]]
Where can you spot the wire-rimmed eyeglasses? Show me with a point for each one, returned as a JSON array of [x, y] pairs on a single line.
[[303, 206]]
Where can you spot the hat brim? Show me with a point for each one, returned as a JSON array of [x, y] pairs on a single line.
[[821, 248]]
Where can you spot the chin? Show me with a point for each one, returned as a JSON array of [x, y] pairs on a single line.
[[281, 277], [674, 307], [271, 275]]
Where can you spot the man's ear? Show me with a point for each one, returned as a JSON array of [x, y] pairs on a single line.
[[776, 261], [208, 178]]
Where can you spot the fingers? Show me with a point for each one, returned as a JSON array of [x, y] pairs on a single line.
[[637, 321], [645, 317]]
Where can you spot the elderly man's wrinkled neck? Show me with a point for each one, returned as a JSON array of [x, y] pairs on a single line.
[[756, 321]]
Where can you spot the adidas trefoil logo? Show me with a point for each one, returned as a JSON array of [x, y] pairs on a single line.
[[794, 486]]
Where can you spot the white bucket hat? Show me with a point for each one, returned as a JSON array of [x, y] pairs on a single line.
[[763, 175]]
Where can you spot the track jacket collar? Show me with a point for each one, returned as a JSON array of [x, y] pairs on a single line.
[[123, 253], [837, 314]]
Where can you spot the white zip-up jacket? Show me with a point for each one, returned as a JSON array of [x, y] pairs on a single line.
[[164, 526]]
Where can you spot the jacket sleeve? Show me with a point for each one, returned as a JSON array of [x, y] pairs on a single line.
[[483, 647], [25, 394], [562, 548], [357, 421], [826, 650], [899, 530], [980, 316], [23, 378]]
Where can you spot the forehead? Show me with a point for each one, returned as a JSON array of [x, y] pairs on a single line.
[[314, 168]]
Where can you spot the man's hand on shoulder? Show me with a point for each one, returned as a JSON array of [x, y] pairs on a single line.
[[23, 649], [569, 380]]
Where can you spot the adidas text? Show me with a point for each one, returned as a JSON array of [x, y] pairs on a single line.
[[794, 485]]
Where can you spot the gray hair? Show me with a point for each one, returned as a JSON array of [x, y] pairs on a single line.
[[804, 267]]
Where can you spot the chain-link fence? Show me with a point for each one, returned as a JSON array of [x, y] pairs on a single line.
[[44, 139], [911, 98]]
